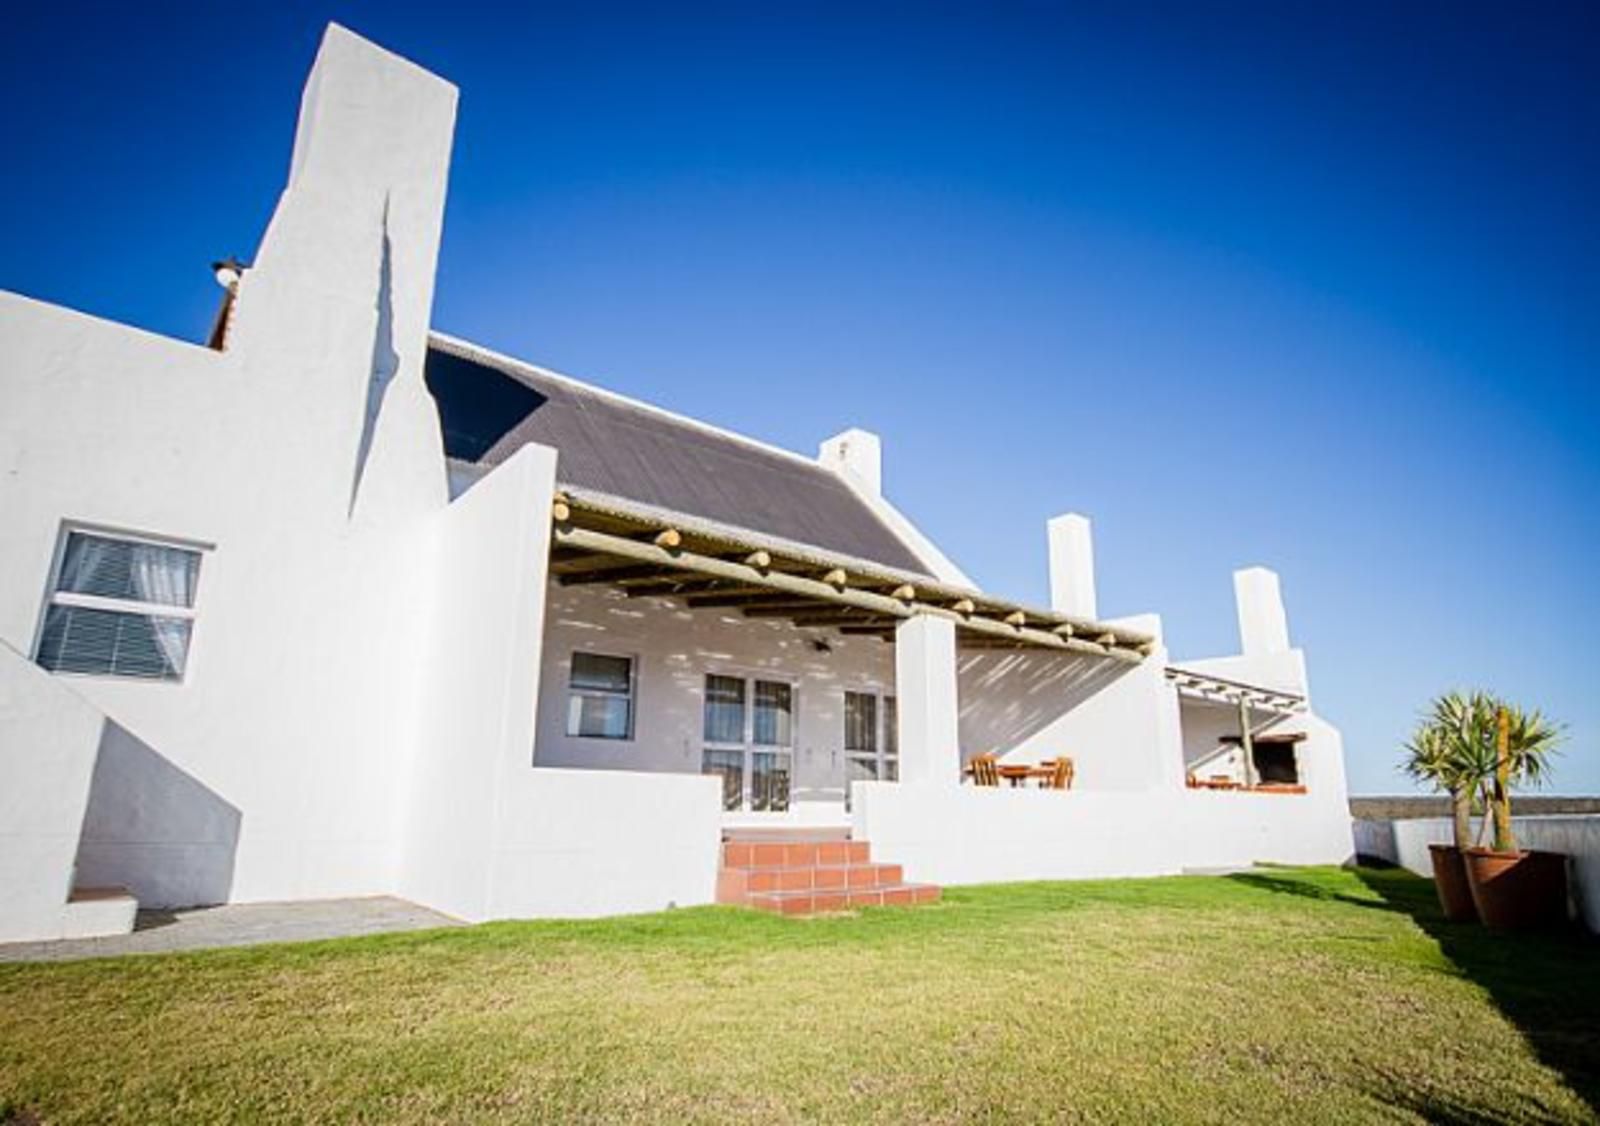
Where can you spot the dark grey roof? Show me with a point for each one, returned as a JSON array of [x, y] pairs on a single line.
[[490, 408]]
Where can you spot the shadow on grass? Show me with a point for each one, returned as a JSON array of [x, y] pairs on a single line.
[[1547, 984], [1264, 880]]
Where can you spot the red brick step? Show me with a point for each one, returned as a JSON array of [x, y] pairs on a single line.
[[811, 873]]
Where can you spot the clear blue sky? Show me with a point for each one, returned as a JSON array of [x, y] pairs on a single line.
[[1315, 287]]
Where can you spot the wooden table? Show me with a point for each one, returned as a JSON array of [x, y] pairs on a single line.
[[1019, 773]]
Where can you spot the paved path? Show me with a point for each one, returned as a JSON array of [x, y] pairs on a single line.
[[239, 924]]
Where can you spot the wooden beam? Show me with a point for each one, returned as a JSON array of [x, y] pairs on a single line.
[[797, 584], [680, 589], [760, 560], [885, 632], [610, 574], [783, 609], [963, 606], [744, 598], [668, 537], [905, 592], [838, 618], [1016, 618], [560, 509], [836, 577]]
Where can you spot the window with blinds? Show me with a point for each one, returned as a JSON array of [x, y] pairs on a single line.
[[600, 697], [120, 606]]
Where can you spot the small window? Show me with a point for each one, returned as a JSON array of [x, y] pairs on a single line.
[[120, 607], [600, 697]]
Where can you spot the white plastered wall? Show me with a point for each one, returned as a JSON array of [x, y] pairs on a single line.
[[309, 488], [49, 739]]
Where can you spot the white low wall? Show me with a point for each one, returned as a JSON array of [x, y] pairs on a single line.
[[583, 843], [970, 835], [1406, 843], [49, 739]]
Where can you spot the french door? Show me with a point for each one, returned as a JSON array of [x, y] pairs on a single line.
[[871, 743], [749, 741]]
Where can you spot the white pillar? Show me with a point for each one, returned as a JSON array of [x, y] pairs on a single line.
[[1072, 566], [925, 687], [1263, 626], [857, 452]]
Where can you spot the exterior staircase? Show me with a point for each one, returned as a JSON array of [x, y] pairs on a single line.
[[810, 872]]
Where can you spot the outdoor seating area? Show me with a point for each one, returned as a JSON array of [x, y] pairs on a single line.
[[1051, 774]]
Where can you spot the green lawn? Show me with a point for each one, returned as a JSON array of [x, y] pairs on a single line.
[[1287, 994]]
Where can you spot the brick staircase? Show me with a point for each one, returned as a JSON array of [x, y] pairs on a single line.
[[807, 873]]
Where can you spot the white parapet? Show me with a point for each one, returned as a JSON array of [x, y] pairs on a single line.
[[925, 684], [1072, 565], [1263, 625]]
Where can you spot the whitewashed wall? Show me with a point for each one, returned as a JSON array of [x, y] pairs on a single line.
[[579, 843], [308, 480], [1406, 843], [49, 738], [475, 717], [971, 835]]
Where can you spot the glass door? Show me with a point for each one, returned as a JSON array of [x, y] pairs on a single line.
[[871, 741], [749, 741]]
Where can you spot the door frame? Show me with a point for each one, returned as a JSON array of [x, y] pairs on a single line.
[[747, 747]]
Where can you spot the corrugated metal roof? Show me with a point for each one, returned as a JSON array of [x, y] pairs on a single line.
[[491, 406]]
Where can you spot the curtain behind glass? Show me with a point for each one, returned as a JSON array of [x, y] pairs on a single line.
[[860, 722], [724, 718], [774, 714]]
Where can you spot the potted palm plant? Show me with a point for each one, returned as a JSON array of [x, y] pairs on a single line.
[[1446, 752], [1513, 887]]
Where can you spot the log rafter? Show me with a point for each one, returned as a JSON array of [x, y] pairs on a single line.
[[832, 587]]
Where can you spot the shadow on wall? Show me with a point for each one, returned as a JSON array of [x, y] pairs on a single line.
[[154, 829], [1008, 697]]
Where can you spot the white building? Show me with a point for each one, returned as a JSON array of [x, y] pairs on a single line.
[[337, 605]]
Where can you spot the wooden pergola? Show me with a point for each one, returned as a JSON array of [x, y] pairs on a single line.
[[649, 552]]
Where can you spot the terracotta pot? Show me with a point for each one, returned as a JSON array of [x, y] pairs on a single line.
[[1450, 881], [1516, 890]]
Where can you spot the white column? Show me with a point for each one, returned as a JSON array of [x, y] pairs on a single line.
[[1072, 566], [925, 686], [1263, 626]]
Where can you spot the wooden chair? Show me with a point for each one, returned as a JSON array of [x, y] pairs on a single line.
[[985, 770], [1061, 772]]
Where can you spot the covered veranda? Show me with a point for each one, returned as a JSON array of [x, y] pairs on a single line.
[[649, 554]]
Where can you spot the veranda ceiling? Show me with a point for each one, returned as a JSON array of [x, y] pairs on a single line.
[[656, 553]]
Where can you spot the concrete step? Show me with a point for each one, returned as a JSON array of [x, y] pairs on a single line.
[[93, 912]]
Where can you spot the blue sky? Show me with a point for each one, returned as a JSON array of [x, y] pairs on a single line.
[[1314, 287]]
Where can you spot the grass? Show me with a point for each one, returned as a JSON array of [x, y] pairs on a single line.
[[1316, 995]]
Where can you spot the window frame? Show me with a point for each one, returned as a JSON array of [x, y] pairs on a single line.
[[632, 695], [883, 757], [747, 748], [128, 607]]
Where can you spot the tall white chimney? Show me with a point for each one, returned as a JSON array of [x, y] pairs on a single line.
[[858, 452], [1072, 566], [1263, 625]]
